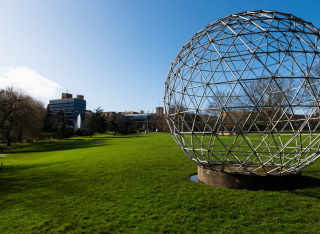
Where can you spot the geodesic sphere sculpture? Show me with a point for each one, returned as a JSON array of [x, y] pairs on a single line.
[[242, 96]]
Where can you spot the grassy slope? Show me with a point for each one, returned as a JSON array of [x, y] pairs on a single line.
[[138, 184]]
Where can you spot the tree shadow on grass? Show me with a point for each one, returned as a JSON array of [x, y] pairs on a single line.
[[114, 137], [39, 182], [28, 179], [68, 144], [13, 170], [125, 137]]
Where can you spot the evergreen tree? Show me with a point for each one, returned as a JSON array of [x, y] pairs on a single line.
[[96, 123], [112, 125], [62, 127], [136, 127], [90, 125], [48, 123], [101, 121]]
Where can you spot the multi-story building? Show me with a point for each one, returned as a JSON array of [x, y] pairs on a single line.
[[127, 113], [159, 111], [108, 114], [72, 107], [88, 112], [140, 118]]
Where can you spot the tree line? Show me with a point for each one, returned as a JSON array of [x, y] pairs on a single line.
[[98, 123], [24, 117], [20, 115], [266, 104], [61, 127]]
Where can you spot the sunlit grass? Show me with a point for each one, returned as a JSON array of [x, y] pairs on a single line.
[[252, 147], [138, 184]]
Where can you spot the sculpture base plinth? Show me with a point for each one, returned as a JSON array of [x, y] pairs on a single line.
[[249, 181]]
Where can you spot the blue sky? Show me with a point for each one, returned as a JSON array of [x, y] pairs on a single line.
[[115, 53]]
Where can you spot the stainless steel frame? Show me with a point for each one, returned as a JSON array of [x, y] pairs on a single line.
[[242, 96]]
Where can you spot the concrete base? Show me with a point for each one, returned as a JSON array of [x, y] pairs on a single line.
[[249, 181]]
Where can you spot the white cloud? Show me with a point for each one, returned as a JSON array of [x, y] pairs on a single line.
[[29, 81]]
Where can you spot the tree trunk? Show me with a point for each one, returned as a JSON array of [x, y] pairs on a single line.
[[7, 135], [20, 135], [9, 140]]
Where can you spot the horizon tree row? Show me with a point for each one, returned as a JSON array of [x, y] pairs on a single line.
[[23, 117], [20, 115]]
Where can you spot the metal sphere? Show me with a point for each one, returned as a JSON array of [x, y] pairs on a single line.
[[242, 96]]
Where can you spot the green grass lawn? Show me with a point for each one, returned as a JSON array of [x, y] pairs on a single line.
[[138, 184], [265, 145]]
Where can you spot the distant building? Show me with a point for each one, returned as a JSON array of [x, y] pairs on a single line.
[[159, 111], [88, 114], [142, 118], [109, 114], [72, 107], [139, 118], [127, 112]]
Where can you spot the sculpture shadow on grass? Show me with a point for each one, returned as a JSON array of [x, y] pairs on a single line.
[[310, 187]]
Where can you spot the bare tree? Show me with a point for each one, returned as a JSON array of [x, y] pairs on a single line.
[[258, 105], [18, 113], [222, 113], [32, 123], [125, 125], [267, 100], [315, 80]]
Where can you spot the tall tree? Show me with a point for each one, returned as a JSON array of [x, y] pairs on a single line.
[[62, 127], [90, 125], [96, 122], [158, 122], [219, 104], [315, 80], [124, 125], [101, 121], [16, 109], [48, 123], [267, 100], [31, 125]]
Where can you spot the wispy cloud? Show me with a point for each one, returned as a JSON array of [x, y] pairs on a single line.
[[29, 81]]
